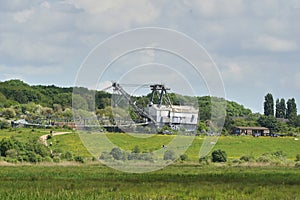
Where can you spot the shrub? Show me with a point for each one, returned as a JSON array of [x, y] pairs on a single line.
[[47, 159], [297, 164], [133, 156], [68, 156], [79, 159], [247, 158], [105, 156], [184, 157], [116, 153], [236, 161], [49, 137], [278, 154], [33, 157], [204, 160], [170, 155], [8, 113], [219, 156], [298, 157], [264, 158], [56, 159], [136, 149], [12, 153], [146, 156], [11, 160], [4, 124]]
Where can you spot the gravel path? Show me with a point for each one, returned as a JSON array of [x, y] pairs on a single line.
[[43, 138]]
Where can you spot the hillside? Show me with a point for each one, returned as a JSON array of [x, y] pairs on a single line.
[[57, 99]]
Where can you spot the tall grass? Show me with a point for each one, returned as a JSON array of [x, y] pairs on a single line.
[[173, 182]]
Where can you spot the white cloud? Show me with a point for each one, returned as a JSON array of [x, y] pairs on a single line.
[[45, 4], [271, 43], [30, 70], [23, 16], [114, 15], [214, 8]]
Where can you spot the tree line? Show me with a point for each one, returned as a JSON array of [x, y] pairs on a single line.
[[19, 100], [282, 109]]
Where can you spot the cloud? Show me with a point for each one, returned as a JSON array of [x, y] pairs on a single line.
[[30, 70], [214, 8], [23, 16], [255, 43], [271, 43], [114, 15]]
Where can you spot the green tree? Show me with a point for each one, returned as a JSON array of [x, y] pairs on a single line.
[[2, 100], [280, 108], [270, 122], [8, 113], [269, 105], [201, 127], [136, 149], [291, 112], [219, 156]]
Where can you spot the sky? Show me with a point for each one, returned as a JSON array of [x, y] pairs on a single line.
[[253, 45]]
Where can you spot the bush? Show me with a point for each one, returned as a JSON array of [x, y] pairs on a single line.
[[33, 157], [11, 160], [8, 113], [297, 164], [105, 156], [4, 124], [184, 157], [279, 154], [170, 155], [204, 160], [56, 159], [133, 156], [219, 156], [116, 153], [247, 158], [12, 153], [79, 159], [68, 156], [47, 159], [136, 149], [49, 137], [298, 157], [264, 158]]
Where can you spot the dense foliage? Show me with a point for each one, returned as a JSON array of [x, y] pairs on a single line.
[[19, 100], [16, 151]]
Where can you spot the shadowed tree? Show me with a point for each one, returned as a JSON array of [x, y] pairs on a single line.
[[269, 105], [280, 108], [291, 112]]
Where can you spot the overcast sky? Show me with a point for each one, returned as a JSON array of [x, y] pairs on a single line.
[[255, 44]]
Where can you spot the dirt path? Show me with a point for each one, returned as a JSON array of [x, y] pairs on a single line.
[[43, 138]]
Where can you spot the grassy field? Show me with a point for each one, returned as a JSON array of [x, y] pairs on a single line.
[[173, 182], [23, 134], [186, 180], [234, 146]]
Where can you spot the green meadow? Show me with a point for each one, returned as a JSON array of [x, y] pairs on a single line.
[[174, 182], [235, 146], [181, 180]]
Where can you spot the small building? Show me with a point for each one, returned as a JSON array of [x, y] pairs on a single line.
[[251, 130]]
